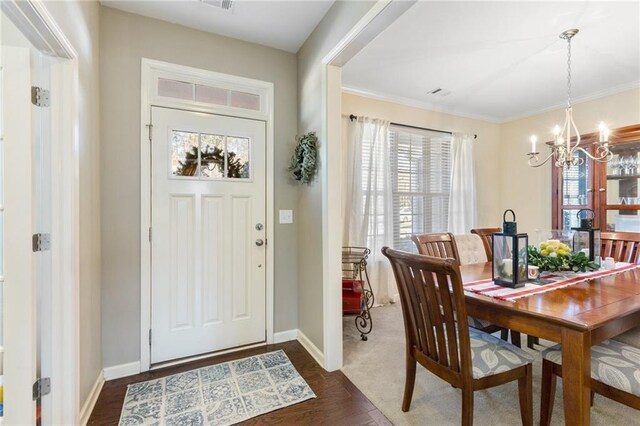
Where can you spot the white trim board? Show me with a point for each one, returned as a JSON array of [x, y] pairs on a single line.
[[285, 336], [150, 69], [122, 370], [310, 347], [92, 398]]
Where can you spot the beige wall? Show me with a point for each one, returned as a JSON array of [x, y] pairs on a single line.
[[125, 39], [487, 145], [340, 18], [79, 20], [528, 190]]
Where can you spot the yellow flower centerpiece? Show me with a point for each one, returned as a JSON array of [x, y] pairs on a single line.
[[554, 256]]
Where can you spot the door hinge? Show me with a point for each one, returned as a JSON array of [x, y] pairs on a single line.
[[41, 387], [39, 96], [149, 337], [149, 234], [41, 242], [150, 127]]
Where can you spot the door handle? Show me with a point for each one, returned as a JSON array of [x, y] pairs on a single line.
[[602, 189], [589, 190], [259, 242]]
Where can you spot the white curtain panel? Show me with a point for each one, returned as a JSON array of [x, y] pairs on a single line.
[[368, 203], [462, 198]]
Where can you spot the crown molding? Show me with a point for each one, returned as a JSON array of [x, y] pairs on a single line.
[[426, 105], [413, 103], [580, 100]]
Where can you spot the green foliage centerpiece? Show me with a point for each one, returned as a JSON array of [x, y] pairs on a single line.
[[556, 256]]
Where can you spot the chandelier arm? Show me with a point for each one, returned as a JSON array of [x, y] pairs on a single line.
[[604, 157], [538, 163]]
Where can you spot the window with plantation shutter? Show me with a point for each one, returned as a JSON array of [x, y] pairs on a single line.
[[420, 174]]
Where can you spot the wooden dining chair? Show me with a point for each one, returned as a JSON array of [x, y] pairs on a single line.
[[485, 234], [622, 246], [615, 374], [443, 245], [432, 297]]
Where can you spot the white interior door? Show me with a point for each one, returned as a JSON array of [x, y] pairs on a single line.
[[26, 281], [208, 231]]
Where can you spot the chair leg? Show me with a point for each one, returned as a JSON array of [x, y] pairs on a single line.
[[525, 391], [547, 393], [504, 334], [467, 406], [531, 341], [515, 338], [409, 382], [592, 395]]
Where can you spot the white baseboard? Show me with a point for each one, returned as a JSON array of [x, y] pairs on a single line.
[[92, 398], [122, 370], [285, 336], [311, 348]]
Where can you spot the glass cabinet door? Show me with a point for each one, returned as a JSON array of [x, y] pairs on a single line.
[[619, 188], [575, 192]]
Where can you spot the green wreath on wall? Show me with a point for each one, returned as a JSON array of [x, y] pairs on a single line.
[[304, 162]]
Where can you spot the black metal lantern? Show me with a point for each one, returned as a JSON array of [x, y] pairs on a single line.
[[587, 238], [510, 254]]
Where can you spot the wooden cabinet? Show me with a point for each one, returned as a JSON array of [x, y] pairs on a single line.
[[611, 189]]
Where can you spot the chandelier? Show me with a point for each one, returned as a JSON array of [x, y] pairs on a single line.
[[564, 150]]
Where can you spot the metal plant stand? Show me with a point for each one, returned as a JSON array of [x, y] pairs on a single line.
[[354, 266]]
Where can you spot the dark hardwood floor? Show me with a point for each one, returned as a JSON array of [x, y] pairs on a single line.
[[338, 401]]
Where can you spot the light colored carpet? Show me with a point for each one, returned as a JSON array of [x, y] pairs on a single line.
[[377, 366]]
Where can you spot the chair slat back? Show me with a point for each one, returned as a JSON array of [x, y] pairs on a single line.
[[432, 298], [441, 245], [485, 234], [622, 246]]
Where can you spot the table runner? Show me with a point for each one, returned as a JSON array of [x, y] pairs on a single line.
[[546, 282]]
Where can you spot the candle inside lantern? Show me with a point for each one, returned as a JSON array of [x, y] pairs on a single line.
[[508, 267]]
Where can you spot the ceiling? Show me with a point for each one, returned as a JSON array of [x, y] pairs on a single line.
[[500, 60], [281, 24]]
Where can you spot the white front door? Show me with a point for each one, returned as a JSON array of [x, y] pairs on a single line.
[[208, 230]]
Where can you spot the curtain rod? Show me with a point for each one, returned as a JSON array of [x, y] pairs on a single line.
[[353, 117]]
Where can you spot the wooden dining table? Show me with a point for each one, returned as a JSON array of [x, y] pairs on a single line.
[[577, 316]]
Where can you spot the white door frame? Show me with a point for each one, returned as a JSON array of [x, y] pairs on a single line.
[[34, 21], [376, 20], [151, 70]]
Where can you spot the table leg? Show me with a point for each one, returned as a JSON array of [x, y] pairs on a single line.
[[576, 376]]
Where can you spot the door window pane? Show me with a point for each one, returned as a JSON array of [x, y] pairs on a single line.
[[212, 155], [184, 153], [209, 156], [237, 157]]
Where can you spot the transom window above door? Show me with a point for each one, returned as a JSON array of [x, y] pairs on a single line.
[[209, 156], [188, 91]]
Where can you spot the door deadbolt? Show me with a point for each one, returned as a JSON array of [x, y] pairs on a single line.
[[259, 226]]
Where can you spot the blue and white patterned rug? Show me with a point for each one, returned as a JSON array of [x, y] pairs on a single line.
[[221, 394]]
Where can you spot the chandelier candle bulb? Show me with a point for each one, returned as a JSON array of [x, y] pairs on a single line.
[[534, 139]]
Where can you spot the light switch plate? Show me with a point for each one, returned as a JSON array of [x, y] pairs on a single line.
[[286, 216]]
